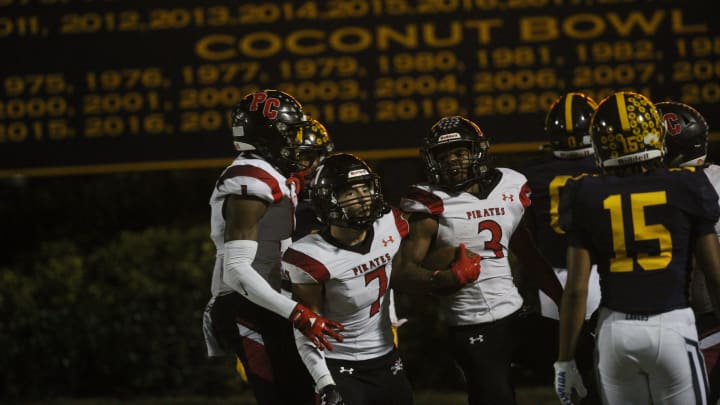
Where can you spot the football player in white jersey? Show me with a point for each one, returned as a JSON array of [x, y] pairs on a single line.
[[687, 145], [252, 221], [312, 145], [344, 272], [641, 223], [313, 148], [482, 207]]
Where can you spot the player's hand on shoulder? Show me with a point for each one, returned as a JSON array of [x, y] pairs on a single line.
[[329, 395], [315, 327]]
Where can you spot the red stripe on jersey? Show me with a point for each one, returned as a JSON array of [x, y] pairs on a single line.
[[525, 195], [256, 173], [314, 268], [402, 224], [257, 360], [433, 203]]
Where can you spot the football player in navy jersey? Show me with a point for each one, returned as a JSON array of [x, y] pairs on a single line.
[[252, 220], [567, 127], [344, 272], [468, 202], [687, 145], [641, 224]]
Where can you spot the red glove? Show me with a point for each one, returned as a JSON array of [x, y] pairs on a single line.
[[315, 327], [467, 266]]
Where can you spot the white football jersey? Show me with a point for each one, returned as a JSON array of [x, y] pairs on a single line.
[[713, 174], [357, 284], [257, 178], [485, 227]]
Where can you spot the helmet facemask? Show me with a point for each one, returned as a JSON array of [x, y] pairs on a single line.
[[308, 147], [360, 204], [462, 169], [347, 194], [451, 134]]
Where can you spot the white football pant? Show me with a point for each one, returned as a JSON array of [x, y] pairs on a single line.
[[650, 359]]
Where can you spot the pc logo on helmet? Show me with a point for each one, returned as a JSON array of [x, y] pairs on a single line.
[[267, 122]]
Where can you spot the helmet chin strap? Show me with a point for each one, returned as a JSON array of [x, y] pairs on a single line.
[[574, 153], [482, 180], [478, 177]]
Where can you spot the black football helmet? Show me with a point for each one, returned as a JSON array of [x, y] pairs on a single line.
[[337, 173], [268, 122], [453, 131], [567, 125], [626, 129], [313, 141], [686, 142]]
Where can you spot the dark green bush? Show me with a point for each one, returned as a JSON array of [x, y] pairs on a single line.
[[122, 320]]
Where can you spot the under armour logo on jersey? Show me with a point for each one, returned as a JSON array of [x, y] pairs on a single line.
[[346, 370], [397, 367], [474, 340], [508, 197], [389, 240]]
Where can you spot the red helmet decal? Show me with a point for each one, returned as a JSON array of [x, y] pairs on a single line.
[[268, 104], [672, 122], [257, 99], [268, 111]]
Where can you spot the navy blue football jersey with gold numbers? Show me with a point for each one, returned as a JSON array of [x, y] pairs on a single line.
[[547, 180], [640, 230]]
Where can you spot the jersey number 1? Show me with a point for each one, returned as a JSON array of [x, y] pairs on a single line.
[[641, 232]]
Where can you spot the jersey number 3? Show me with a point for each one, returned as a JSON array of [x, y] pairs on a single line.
[[495, 237], [641, 232]]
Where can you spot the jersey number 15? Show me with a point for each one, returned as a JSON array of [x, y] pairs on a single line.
[[641, 232]]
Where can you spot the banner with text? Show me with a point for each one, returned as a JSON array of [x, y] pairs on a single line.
[[114, 83]]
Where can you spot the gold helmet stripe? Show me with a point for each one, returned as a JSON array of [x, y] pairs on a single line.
[[622, 112], [569, 124]]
